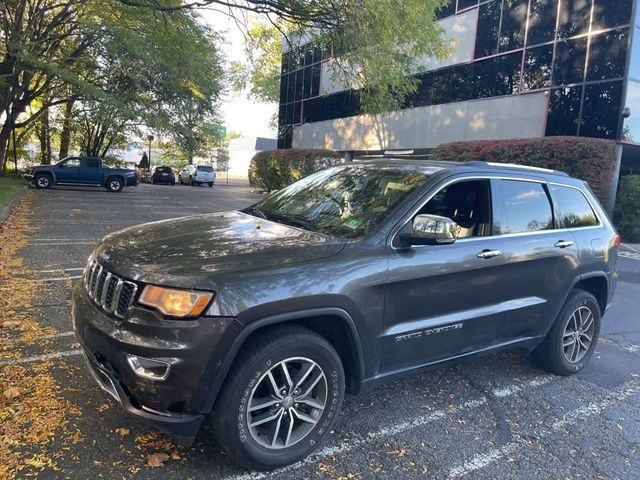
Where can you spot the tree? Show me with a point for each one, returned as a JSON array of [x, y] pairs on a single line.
[[375, 43], [40, 45], [144, 162], [222, 160]]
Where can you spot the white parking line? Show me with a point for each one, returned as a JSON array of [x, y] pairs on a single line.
[[50, 244], [399, 428], [41, 358], [631, 255], [61, 270], [483, 460]]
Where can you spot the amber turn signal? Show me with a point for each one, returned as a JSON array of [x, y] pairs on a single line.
[[177, 303]]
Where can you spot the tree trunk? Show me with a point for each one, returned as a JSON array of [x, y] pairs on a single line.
[[65, 135], [5, 132], [44, 134]]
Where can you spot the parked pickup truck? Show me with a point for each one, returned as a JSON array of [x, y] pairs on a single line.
[[84, 171]]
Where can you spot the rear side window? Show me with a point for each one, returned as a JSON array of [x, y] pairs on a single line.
[[204, 168], [524, 207], [572, 207], [91, 163]]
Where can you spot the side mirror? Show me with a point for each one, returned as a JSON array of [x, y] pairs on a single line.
[[431, 230]]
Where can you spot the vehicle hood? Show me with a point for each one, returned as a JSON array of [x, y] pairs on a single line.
[[183, 252]]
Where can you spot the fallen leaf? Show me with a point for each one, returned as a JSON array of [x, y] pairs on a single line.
[[157, 459], [35, 462], [11, 393], [175, 456], [122, 431], [10, 324]]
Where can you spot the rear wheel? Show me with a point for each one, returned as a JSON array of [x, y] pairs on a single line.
[[43, 180], [114, 184], [191, 181], [210, 184], [282, 399], [573, 337]]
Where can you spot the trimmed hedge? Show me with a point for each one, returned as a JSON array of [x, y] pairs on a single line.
[[589, 159], [275, 169], [626, 215]]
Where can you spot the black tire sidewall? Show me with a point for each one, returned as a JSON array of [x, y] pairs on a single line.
[[231, 422], [48, 177], [110, 180]]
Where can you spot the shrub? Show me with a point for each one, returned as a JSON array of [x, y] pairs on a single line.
[[589, 159], [626, 215], [274, 169]]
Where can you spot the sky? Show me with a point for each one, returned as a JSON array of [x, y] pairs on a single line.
[[239, 113]]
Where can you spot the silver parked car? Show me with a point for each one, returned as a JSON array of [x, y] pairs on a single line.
[[195, 175]]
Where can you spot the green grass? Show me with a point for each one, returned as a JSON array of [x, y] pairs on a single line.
[[9, 186]]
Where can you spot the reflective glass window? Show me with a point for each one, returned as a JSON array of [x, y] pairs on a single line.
[[460, 82], [285, 62], [564, 110], [525, 206], [634, 66], [609, 14], [601, 110], [514, 21], [484, 78], [447, 10], [307, 82], [572, 207], [574, 17], [488, 29], [607, 55], [508, 73], [283, 88], [299, 86], [632, 124], [296, 112], [569, 63], [308, 55], [542, 21], [315, 80], [462, 4], [537, 67]]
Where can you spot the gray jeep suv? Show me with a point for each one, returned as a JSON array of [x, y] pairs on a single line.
[[261, 319]]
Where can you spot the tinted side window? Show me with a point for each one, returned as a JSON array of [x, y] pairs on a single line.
[[524, 207], [572, 207], [72, 163], [91, 163]]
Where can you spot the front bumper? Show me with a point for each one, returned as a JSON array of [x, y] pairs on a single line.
[[195, 348], [28, 177]]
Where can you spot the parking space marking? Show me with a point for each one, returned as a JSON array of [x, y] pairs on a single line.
[[41, 358], [397, 429], [485, 459], [61, 270], [631, 255]]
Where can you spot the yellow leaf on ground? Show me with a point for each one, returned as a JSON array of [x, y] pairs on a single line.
[[122, 431], [157, 459], [11, 393], [10, 324]]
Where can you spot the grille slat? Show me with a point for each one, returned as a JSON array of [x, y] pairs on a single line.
[[108, 291]]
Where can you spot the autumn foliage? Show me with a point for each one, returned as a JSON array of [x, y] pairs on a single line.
[[589, 159]]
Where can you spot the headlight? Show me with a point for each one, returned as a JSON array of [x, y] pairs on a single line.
[[177, 303]]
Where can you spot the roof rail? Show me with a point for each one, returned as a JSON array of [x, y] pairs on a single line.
[[515, 165]]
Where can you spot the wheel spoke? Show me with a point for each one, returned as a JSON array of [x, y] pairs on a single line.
[[274, 385], [302, 375], [304, 417], [576, 351], [290, 429], [276, 429], [260, 403], [264, 418], [287, 377], [312, 402], [309, 389], [567, 343], [588, 322], [587, 337]]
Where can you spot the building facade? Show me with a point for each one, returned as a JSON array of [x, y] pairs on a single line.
[[518, 69]]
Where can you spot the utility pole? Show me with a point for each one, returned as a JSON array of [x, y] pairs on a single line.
[[150, 138]]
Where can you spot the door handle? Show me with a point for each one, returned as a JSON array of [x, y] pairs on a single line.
[[563, 243], [488, 253]]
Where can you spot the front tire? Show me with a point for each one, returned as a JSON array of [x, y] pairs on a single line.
[[210, 184], [43, 181], [283, 396], [572, 339], [192, 182], [114, 184]]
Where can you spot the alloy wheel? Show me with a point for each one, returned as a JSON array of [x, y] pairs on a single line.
[[114, 185], [578, 334], [287, 403], [43, 182]]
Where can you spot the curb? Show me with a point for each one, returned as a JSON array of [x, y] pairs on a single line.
[[6, 210]]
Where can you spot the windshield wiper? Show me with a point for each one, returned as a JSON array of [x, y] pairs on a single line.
[[256, 210]]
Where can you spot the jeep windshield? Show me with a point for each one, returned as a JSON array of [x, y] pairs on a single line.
[[346, 201]]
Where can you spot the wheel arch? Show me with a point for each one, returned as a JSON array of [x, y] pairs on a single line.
[[334, 324], [114, 175], [597, 284]]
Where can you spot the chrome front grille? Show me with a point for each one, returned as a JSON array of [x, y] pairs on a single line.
[[110, 292]]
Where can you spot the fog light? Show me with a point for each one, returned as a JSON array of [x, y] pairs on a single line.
[[148, 368]]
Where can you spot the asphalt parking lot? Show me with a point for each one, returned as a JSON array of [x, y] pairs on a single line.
[[497, 417]]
